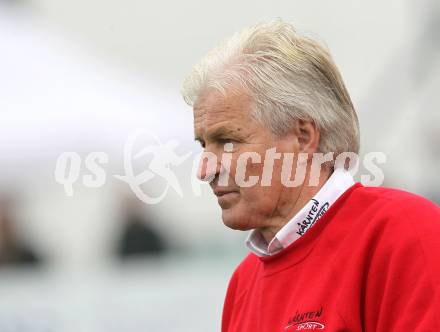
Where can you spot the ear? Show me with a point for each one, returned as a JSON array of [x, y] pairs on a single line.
[[308, 136]]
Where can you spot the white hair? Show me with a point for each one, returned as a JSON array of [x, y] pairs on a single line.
[[288, 76]]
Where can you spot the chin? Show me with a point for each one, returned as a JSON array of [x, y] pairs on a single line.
[[236, 220]]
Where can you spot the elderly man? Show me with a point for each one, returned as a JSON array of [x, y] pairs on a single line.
[[325, 253]]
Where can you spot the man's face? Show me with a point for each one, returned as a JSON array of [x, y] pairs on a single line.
[[218, 121]]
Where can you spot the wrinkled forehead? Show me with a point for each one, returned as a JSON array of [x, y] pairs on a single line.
[[214, 107]]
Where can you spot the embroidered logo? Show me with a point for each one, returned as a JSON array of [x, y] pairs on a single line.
[[308, 320], [313, 216]]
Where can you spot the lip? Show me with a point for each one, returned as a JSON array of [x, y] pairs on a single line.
[[226, 198], [223, 192]]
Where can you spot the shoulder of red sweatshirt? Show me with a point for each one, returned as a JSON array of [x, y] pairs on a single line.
[[371, 263]]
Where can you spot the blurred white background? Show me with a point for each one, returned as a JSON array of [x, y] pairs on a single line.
[[84, 75]]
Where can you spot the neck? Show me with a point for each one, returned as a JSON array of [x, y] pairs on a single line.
[[303, 195]]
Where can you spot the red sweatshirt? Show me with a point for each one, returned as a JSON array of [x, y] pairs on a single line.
[[371, 263]]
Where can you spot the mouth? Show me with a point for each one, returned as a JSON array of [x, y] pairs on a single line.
[[226, 198], [224, 192]]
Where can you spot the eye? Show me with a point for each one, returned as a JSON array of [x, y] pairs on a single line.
[[223, 141], [202, 143]]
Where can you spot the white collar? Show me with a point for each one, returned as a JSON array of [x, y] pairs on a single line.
[[332, 189]]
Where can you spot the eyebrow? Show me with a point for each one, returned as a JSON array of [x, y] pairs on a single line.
[[217, 133]]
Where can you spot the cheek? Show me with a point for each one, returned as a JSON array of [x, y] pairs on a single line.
[[260, 179], [260, 200], [248, 169]]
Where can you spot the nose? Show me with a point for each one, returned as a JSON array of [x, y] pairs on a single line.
[[209, 166]]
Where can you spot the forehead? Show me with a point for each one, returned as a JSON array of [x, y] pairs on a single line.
[[213, 108]]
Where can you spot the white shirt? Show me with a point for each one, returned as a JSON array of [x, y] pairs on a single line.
[[332, 189]]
